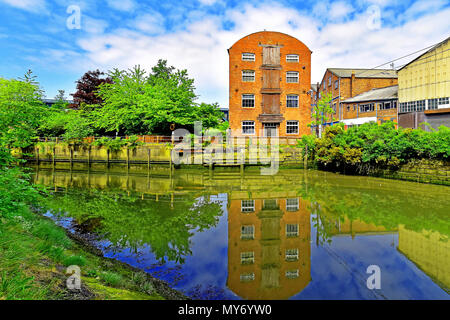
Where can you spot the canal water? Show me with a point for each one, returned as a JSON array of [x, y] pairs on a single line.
[[295, 235]]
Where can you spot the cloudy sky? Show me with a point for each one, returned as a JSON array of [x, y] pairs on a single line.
[[47, 36]]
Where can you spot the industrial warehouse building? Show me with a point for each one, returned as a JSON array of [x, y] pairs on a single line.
[[424, 89]]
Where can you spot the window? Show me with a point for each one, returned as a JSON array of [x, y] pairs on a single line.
[[420, 105], [336, 84], [247, 232], [292, 127], [270, 204], [443, 101], [348, 108], [292, 230], [248, 100], [246, 56], [334, 107], [291, 274], [292, 101], [354, 107], [366, 107], [292, 77], [432, 104], [291, 255], [329, 81], [292, 58], [247, 257], [248, 206], [246, 277], [248, 76], [386, 105], [292, 204], [248, 127]]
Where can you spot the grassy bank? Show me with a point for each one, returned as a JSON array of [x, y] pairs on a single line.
[[34, 256]]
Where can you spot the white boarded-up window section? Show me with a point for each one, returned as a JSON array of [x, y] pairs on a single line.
[[292, 204], [247, 232], [247, 56], [291, 230], [248, 75], [271, 55], [291, 254], [292, 77], [247, 257], [247, 277], [292, 274], [247, 206], [292, 58]]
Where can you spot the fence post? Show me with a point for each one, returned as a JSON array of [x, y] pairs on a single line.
[[107, 157], [128, 158], [71, 156], [89, 156], [149, 155], [54, 151], [37, 154], [305, 158]]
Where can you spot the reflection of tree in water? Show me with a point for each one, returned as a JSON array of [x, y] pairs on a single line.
[[207, 292], [172, 275], [127, 221]]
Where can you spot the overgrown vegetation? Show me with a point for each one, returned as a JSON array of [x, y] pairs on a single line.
[[371, 146]]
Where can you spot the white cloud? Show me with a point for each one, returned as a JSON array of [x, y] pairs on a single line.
[[340, 9], [201, 47], [122, 5], [36, 6], [92, 25], [207, 2], [151, 23]]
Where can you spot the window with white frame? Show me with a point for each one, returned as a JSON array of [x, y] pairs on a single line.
[[291, 274], [247, 257], [292, 127], [329, 81], [247, 56], [246, 277], [247, 232], [292, 77], [443, 101], [248, 100], [292, 58], [291, 230], [248, 75], [336, 84], [432, 104], [248, 127], [291, 254], [420, 105], [366, 107], [247, 205], [292, 204], [292, 101]]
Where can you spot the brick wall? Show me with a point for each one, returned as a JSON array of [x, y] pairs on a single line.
[[251, 44]]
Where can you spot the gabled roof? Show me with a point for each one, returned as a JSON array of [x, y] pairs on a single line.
[[315, 87], [375, 94], [363, 73], [428, 51]]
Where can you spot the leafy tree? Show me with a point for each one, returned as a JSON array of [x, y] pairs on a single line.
[[140, 103], [87, 87], [21, 110], [320, 113]]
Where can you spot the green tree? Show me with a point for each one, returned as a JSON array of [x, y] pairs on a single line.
[[140, 103], [320, 113]]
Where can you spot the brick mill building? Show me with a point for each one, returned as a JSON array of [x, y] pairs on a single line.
[[345, 83], [270, 74]]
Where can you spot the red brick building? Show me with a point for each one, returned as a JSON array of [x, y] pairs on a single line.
[[270, 74], [350, 82]]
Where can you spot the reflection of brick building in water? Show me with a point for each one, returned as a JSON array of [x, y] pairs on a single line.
[[268, 246]]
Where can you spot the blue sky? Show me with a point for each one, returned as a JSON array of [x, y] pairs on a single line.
[[195, 35]]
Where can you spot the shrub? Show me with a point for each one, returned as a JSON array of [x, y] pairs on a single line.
[[111, 278], [75, 261]]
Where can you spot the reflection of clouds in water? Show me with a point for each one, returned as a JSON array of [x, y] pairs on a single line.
[[400, 279]]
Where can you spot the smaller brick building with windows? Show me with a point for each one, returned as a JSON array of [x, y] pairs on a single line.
[[377, 105], [270, 74]]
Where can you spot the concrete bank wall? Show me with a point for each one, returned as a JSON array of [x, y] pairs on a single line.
[[425, 171]]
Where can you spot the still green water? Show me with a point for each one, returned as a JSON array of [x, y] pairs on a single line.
[[295, 235]]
